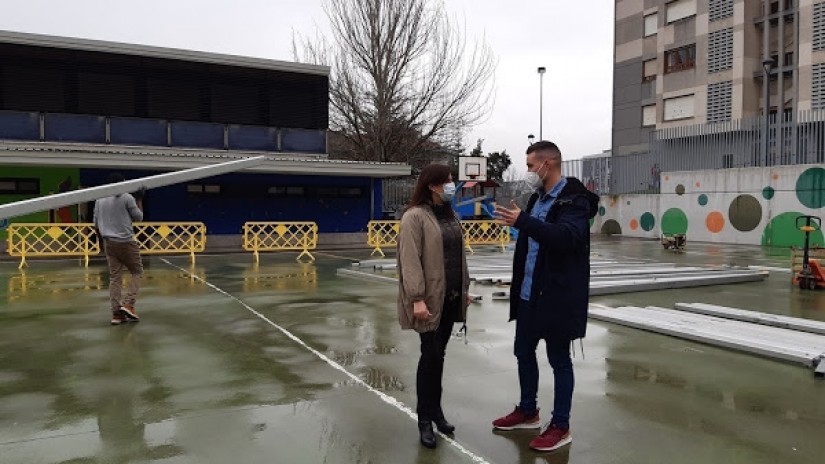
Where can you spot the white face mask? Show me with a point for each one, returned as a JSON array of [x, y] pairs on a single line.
[[448, 193], [533, 179]]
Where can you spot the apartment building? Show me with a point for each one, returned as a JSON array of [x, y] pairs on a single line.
[[679, 64]]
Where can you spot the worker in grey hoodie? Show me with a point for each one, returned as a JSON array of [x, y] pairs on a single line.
[[113, 217]]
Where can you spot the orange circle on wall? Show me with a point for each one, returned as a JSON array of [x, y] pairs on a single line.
[[715, 222], [634, 224], [667, 177], [775, 176], [698, 184]]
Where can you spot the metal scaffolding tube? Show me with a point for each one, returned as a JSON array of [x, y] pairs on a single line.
[[58, 200]]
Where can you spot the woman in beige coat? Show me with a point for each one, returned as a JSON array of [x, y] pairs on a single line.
[[433, 284]]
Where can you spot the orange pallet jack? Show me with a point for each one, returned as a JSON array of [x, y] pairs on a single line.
[[812, 275]]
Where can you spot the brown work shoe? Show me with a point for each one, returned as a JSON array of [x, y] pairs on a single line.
[[129, 312], [118, 318]]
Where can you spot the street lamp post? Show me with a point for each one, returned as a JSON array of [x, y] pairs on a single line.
[[541, 71], [767, 65]]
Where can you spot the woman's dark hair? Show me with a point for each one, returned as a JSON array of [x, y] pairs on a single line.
[[434, 174]]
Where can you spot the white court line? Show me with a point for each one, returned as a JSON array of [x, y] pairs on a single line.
[[383, 396]]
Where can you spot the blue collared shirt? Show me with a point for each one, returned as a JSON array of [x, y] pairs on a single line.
[[539, 211]]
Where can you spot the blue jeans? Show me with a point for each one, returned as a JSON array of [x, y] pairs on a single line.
[[558, 353]]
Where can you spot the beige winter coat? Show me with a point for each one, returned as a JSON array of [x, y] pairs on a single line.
[[421, 270]]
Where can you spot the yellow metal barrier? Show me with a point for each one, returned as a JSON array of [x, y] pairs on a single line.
[[385, 234], [156, 238], [485, 233], [280, 236], [55, 239], [52, 239], [382, 234]]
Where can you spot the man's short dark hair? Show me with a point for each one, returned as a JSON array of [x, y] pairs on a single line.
[[546, 149], [114, 178]]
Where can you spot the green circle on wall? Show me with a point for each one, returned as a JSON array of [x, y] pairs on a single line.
[[703, 199], [680, 189], [810, 188], [601, 211], [674, 221], [745, 213], [647, 222], [768, 193], [628, 202], [782, 232]]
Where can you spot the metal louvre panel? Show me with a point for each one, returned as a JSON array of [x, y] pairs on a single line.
[[818, 86], [819, 26], [719, 101], [720, 50], [719, 9]]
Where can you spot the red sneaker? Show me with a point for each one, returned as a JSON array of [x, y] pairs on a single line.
[[551, 438], [517, 420]]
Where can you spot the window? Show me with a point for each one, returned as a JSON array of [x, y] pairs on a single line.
[[649, 70], [648, 115], [679, 108], [651, 24], [680, 59], [680, 9], [203, 188], [727, 161], [17, 186]]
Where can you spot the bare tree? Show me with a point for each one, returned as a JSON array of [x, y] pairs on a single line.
[[403, 79]]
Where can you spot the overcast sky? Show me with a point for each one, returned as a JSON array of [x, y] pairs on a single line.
[[573, 40]]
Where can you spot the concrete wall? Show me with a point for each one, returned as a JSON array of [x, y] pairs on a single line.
[[756, 206]]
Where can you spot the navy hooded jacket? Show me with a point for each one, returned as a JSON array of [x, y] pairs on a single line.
[[561, 279]]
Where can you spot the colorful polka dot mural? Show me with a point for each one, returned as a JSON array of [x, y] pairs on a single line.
[[715, 222], [810, 188], [745, 213], [674, 221], [782, 232], [752, 206]]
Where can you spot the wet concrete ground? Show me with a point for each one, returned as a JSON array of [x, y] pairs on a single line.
[[288, 363]]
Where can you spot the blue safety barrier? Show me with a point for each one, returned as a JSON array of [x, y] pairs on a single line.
[[75, 128], [197, 135], [253, 138], [135, 131], [303, 140], [18, 125]]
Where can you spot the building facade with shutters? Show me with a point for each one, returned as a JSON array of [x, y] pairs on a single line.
[[683, 63]]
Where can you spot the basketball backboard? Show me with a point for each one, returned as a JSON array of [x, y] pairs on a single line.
[[472, 168]]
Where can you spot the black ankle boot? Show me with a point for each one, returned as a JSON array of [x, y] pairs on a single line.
[[425, 429], [444, 426]]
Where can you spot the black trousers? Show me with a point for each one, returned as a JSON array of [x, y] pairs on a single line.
[[431, 364]]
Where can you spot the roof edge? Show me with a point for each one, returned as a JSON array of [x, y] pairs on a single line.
[[151, 51]]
